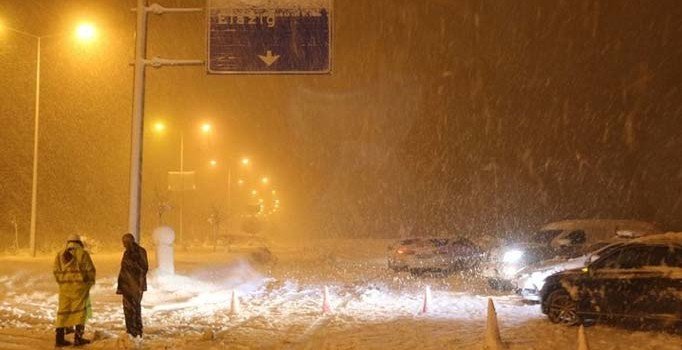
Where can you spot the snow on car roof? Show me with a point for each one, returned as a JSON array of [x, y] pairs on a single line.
[[674, 238], [573, 224]]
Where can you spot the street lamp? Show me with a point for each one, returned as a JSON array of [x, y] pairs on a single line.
[[86, 32], [265, 180], [159, 128], [83, 33], [244, 162]]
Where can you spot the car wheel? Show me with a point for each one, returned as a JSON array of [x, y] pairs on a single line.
[[562, 309]]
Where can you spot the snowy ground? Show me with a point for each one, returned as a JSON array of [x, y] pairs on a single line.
[[281, 306]]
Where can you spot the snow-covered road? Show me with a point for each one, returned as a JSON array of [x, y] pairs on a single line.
[[281, 306]]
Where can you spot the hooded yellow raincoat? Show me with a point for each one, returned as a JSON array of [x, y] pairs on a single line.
[[75, 274]]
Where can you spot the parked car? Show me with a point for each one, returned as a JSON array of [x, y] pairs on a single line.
[[563, 239], [529, 280], [638, 281], [438, 254], [398, 253], [576, 235], [505, 261]]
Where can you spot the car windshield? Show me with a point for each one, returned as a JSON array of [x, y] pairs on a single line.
[[438, 242], [463, 242], [408, 241], [544, 236]]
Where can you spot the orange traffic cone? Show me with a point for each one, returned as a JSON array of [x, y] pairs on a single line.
[[427, 301], [582, 340], [235, 307], [493, 341], [326, 307]]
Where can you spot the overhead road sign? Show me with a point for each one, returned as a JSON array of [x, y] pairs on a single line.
[[269, 36]]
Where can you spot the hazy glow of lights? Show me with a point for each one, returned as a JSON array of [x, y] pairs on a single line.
[[254, 192], [86, 32], [509, 271], [213, 162], [245, 161], [240, 182], [265, 180], [159, 127], [206, 128], [512, 256]]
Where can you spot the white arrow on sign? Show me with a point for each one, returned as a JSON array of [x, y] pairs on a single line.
[[269, 58]]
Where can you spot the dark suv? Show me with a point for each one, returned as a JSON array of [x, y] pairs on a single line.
[[638, 281]]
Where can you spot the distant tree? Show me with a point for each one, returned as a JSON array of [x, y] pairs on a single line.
[[15, 225], [214, 221], [163, 205]]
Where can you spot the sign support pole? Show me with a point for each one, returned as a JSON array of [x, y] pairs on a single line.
[[137, 125]]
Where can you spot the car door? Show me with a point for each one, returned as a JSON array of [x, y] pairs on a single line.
[[591, 284], [620, 286], [644, 282], [660, 285]]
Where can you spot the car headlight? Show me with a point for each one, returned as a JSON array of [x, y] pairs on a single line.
[[512, 256]]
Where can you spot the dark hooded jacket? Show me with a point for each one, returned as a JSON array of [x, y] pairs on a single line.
[[132, 278]]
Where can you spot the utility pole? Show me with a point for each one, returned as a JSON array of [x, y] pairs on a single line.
[[137, 130], [34, 183], [229, 200], [182, 186]]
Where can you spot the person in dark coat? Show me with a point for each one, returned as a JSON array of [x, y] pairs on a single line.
[[132, 282]]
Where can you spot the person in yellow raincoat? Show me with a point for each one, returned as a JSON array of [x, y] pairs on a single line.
[[75, 274]]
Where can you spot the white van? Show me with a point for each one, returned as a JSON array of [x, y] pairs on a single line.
[[577, 234]]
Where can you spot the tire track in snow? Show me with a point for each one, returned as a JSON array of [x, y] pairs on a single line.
[[303, 340]]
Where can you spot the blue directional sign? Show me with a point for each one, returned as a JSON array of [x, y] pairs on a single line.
[[269, 36]]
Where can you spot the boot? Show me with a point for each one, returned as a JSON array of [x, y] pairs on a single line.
[[78, 339], [59, 338]]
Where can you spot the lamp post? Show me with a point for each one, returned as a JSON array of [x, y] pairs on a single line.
[[84, 32], [206, 129], [244, 162]]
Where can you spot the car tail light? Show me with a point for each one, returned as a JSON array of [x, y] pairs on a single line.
[[405, 251]]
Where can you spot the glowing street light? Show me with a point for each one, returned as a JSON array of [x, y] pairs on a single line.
[[254, 193], [240, 182], [213, 163], [159, 127], [245, 161], [265, 180], [206, 128], [86, 32]]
